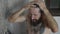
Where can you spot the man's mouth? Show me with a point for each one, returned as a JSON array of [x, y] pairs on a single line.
[[34, 20]]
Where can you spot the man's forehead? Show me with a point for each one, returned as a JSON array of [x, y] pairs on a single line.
[[34, 10]]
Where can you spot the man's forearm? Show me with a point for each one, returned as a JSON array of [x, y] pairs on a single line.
[[50, 20], [15, 15]]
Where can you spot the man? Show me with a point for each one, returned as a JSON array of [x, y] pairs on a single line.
[[38, 21]]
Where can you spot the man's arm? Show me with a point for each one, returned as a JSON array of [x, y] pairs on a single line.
[[15, 16], [50, 20]]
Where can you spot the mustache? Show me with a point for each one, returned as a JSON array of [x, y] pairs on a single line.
[[34, 21]]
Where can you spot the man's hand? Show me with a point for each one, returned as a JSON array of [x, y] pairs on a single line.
[[42, 5], [27, 6]]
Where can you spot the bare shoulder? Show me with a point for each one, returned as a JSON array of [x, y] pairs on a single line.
[[47, 30]]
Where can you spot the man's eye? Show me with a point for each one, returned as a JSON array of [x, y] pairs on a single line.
[[35, 15]]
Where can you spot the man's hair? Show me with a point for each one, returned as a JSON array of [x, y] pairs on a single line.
[[37, 6]]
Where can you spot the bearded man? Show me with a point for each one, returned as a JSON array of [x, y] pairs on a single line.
[[39, 20]]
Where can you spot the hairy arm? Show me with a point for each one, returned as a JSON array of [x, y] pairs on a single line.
[[51, 21], [15, 16], [52, 24]]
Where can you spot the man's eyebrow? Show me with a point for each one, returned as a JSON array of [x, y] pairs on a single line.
[[33, 14]]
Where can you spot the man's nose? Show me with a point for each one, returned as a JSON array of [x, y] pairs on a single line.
[[33, 17]]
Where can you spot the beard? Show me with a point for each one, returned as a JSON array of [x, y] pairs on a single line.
[[35, 22]]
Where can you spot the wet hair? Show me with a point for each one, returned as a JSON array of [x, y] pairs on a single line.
[[37, 6]]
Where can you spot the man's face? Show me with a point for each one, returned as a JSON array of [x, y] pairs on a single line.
[[35, 14]]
